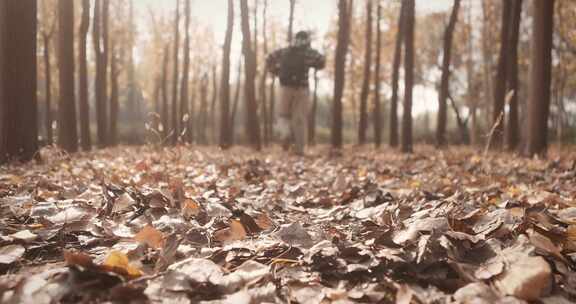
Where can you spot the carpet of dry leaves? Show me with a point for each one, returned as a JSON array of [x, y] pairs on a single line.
[[180, 225]]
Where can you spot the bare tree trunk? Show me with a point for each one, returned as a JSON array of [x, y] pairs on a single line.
[[363, 124], [272, 107], [501, 77], [263, 77], [377, 115], [340, 71], [236, 101], [85, 137], [513, 137], [18, 102], [203, 111], [252, 123], [291, 21], [213, 104], [226, 127], [175, 76], [407, 146], [312, 120], [488, 64], [67, 135], [540, 77], [164, 116], [472, 98], [445, 82], [184, 95], [100, 84], [48, 88], [114, 98], [394, 134]]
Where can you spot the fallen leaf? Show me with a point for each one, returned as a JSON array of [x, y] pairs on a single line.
[[151, 237], [529, 278], [235, 232], [11, 253], [118, 262]]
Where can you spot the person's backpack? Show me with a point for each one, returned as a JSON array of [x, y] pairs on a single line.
[[293, 68]]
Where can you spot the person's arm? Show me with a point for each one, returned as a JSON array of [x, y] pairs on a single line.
[[273, 62], [316, 60]]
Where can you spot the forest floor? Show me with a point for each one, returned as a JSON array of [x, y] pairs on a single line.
[[180, 225]]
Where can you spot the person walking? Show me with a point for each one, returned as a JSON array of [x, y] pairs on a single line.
[[291, 65]]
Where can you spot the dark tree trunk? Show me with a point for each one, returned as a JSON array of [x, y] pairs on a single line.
[[263, 77], [501, 77], [85, 137], [540, 77], [377, 115], [272, 107], [291, 21], [203, 112], [445, 82], [67, 135], [407, 146], [363, 123], [100, 38], [340, 71], [184, 95], [513, 136], [18, 103], [394, 134], [175, 76], [114, 97], [165, 130], [312, 120], [48, 87], [226, 128], [252, 123], [213, 104]]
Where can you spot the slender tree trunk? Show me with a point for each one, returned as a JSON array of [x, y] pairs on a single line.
[[472, 91], [237, 94], [272, 107], [85, 137], [226, 127], [67, 135], [363, 123], [291, 21], [513, 137], [48, 88], [501, 77], [488, 63], [213, 104], [263, 77], [377, 115], [252, 123], [407, 146], [114, 94], [312, 120], [540, 77], [394, 133], [203, 112], [165, 130], [100, 79], [445, 82], [18, 101], [175, 76], [184, 95], [340, 71]]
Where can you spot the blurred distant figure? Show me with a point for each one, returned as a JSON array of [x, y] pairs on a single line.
[[291, 65]]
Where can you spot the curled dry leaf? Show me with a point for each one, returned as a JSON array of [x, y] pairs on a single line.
[[151, 237], [529, 278], [235, 232], [11, 253]]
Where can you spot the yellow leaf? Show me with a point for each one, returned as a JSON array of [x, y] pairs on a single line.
[[151, 237], [118, 262]]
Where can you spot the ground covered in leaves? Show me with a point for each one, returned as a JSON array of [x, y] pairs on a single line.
[[140, 225]]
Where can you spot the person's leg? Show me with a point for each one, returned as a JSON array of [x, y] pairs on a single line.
[[300, 119]]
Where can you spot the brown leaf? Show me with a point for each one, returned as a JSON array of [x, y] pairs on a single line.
[[235, 232], [11, 253], [151, 237], [529, 278]]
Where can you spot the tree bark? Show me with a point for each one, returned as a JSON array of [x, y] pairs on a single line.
[[85, 137], [175, 76], [291, 21], [394, 134], [67, 134], [267, 128], [18, 84], [501, 77], [540, 77], [226, 128], [236, 101], [213, 104], [252, 124], [340, 72], [445, 82], [184, 93], [203, 111], [513, 135], [165, 105], [363, 123], [114, 94], [407, 146], [377, 115], [312, 120], [48, 87]]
